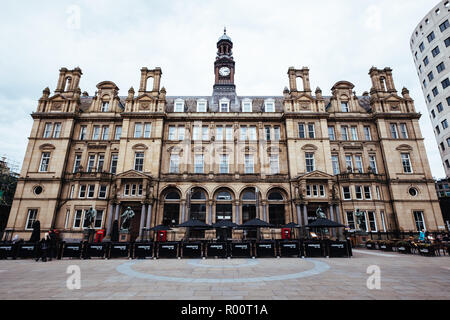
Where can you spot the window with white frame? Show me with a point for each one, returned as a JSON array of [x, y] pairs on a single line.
[[181, 133], [367, 134], [276, 133], [45, 162], [406, 163], [351, 220], [354, 133], [346, 193], [77, 162], [419, 221], [91, 191], [147, 130], [105, 133], [243, 133], [31, 218], [98, 219], [196, 133], [224, 105], [358, 193], [372, 221], [100, 162], [66, 221], [224, 165], [349, 163], [174, 163], [205, 133], [118, 133], [198, 164], [77, 218], [83, 131], [331, 134], [57, 130], [378, 192], [274, 164], [91, 163], [247, 105], [311, 131], [114, 160], [201, 105], [309, 161], [269, 105], [301, 131], [172, 133], [344, 133], [102, 191], [48, 130], [96, 133], [344, 106], [219, 133], [126, 190], [72, 191], [267, 133], [249, 164], [252, 132], [335, 164], [373, 163], [138, 130], [229, 133], [383, 220], [82, 191], [105, 106], [359, 164], [394, 131], [363, 224], [179, 105], [139, 161], [404, 130], [367, 193]]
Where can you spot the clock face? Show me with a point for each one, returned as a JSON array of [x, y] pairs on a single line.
[[224, 71]]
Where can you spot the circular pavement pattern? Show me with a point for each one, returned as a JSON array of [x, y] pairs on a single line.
[[319, 267]]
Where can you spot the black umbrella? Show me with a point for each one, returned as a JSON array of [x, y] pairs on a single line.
[[160, 228], [193, 223], [292, 225], [256, 223], [324, 223], [224, 224]]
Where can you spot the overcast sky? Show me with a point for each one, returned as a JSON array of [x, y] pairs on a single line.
[[113, 39]]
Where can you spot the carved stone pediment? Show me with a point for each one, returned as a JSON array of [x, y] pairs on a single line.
[[47, 146], [317, 175], [140, 146], [132, 174], [309, 147], [404, 147], [352, 146]]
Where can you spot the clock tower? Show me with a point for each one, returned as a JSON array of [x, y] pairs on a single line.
[[224, 70]]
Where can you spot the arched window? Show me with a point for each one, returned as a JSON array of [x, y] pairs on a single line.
[[224, 205], [171, 208], [276, 208], [198, 204], [248, 204]]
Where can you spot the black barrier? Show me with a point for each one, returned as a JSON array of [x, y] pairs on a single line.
[[313, 249], [338, 249], [7, 250], [27, 250], [241, 249], [143, 250], [216, 249], [95, 250], [168, 249], [119, 250], [290, 249], [192, 250], [72, 250], [265, 249]]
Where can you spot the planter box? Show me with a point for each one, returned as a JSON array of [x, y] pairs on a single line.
[[7, 250], [119, 250], [72, 250], [386, 247], [241, 250], [143, 250], [168, 249], [217, 249], [313, 249], [265, 249], [192, 250], [290, 249], [404, 249], [431, 252], [338, 249], [95, 250], [370, 246]]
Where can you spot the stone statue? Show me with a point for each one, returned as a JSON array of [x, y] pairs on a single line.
[[359, 218], [320, 213], [127, 216], [89, 218]]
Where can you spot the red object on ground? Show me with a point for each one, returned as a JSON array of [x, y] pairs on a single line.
[[99, 235]]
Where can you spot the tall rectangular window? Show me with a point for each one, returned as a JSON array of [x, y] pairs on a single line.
[[439, 107], [331, 133], [351, 220], [223, 167], [435, 51], [301, 130], [96, 133], [114, 160], [276, 133], [243, 133], [196, 133], [335, 164], [77, 162], [72, 191], [358, 193], [311, 131], [102, 191], [139, 161], [435, 91], [344, 107], [274, 164], [344, 133], [229, 133], [91, 191], [367, 193], [198, 164], [138, 130], [372, 221], [420, 222], [310, 166], [105, 106], [105, 133], [267, 133], [444, 124], [181, 133], [394, 131], [77, 218], [253, 133], [48, 130], [377, 189], [367, 134], [404, 130], [349, 163], [249, 164], [354, 133], [172, 133], [91, 163], [406, 162], [57, 130], [359, 164], [100, 162], [346, 193], [98, 219], [83, 130], [430, 37], [219, 133], [82, 191], [147, 130], [174, 163], [205, 133], [31, 218], [373, 163], [118, 133], [45, 161]]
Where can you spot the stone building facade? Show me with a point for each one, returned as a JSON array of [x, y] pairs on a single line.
[[224, 156]]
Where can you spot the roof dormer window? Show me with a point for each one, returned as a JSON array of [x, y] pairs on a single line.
[[247, 105], [269, 105], [201, 105], [179, 105], [105, 106], [224, 105]]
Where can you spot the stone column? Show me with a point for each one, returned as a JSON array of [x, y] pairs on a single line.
[[116, 216], [305, 214], [142, 222], [110, 217], [209, 220], [237, 213], [149, 216], [338, 220], [299, 215], [183, 211], [332, 230], [264, 204]]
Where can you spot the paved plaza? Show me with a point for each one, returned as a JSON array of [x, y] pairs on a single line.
[[402, 277]]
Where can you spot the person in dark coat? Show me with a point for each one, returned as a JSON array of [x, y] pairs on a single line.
[[36, 234], [43, 249], [52, 245]]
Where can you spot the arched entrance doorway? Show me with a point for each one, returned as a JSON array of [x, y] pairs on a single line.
[[277, 210], [197, 210], [224, 211], [249, 209], [171, 208]]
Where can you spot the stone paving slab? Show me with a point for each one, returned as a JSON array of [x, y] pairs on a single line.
[[402, 277]]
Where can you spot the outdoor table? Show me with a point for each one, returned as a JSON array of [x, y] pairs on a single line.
[[27, 250], [216, 249], [313, 249], [143, 250], [290, 249], [265, 249], [71, 250], [241, 249], [119, 250], [7, 250], [168, 249], [191, 250], [96, 250], [338, 249]]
